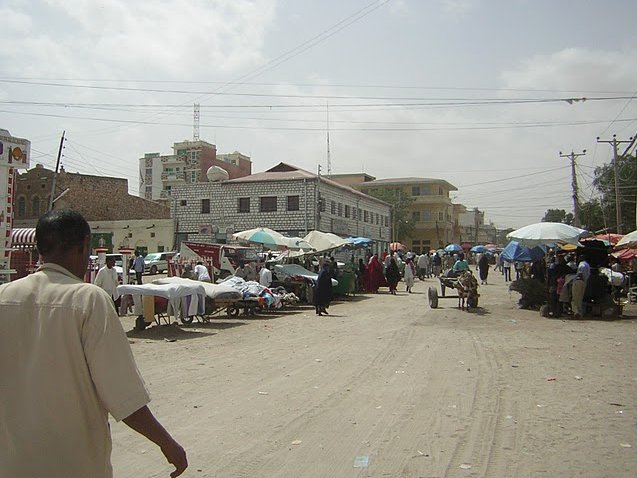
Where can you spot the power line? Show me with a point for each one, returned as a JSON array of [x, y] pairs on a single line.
[[330, 85]]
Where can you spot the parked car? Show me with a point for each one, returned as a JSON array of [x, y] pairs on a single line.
[[157, 262]]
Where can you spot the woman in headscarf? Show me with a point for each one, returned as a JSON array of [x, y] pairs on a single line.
[[323, 290], [392, 275], [374, 276], [410, 274], [483, 267]]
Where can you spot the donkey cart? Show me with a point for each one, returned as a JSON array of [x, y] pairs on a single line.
[[466, 286]]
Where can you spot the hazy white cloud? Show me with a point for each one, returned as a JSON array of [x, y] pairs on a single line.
[[576, 69], [459, 7], [117, 38]]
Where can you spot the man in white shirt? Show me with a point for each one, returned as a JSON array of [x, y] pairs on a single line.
[[65, 365], [106, 278], [265, 276], [201, 272]]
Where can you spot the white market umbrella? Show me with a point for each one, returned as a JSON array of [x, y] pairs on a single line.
[[264, 236], [298, 244], [629, 241], [324, 241], [547, 233]]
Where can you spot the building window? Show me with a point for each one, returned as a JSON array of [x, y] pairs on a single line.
[[346, 211], [360, 214], [333, 207], [366, 216], [426, 216], [439, 191], [425, 191], [386, 221], [267, 204], [415, 216], [149, 172], [415, 191], [441, 216], [354, 213], [244, 204], [182, 202], [377, 219], [22, 206], [293, 203], [35, 206], [340, 209], [205, 206], [152, 234]]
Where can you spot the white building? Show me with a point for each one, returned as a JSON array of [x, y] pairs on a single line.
[[187, 165], [284, 198]]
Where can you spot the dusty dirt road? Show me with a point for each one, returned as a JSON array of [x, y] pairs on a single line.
[[387, 387]]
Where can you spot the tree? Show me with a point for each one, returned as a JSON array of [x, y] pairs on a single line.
[[599, 213], [558, 215], [604, 183], [400, 202]]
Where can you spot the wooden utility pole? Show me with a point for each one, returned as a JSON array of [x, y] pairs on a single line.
[[618, 207], [55, 173], [573, 157]]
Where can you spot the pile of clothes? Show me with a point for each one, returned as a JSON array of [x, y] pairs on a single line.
[[267, 298]]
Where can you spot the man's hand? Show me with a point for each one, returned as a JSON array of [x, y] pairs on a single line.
[[144, 422], [176, 456]]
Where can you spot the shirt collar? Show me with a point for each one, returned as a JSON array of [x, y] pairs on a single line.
[[51, 266]]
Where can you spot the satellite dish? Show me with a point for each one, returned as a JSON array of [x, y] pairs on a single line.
[[216, 174]]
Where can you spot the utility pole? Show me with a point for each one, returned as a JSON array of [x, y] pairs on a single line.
[[55, 173], [618, 207], [573, 157]]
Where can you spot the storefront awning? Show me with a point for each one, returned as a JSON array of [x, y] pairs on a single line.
[[23, 237]]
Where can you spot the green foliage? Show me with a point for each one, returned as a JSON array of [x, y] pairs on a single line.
[[604, 182], [558, 215], [600, 212], [400, 202]]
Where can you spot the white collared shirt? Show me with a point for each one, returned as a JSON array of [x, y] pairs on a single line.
[[65, 364]]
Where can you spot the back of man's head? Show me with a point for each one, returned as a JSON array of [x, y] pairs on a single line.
[[60, 230]]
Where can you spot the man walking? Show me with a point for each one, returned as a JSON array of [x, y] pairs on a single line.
[[106, 278], [138, 267], [65, 364]]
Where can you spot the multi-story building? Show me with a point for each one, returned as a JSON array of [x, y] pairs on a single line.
[[188, 164], [285, 198], [116, 217], [430, 211], [470, 226]]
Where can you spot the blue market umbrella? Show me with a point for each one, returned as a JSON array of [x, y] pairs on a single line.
[[453, 248], [480, 249], [514, 251]]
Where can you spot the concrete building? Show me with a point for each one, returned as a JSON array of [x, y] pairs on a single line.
[[284, 198], [188, 164], [470, 226], [116, 217], [430, 211]]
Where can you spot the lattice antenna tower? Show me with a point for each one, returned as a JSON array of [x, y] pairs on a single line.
[[329, 158], [195, 125]]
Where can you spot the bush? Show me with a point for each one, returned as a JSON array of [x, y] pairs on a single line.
[[532, 293]]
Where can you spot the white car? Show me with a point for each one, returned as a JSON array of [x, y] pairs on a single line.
[[157, 262]]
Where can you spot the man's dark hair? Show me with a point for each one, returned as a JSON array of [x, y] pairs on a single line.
[[59, 230]]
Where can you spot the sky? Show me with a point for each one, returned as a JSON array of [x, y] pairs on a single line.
[[482, 93]]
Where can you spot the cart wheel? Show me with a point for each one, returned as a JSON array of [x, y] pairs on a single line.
[[233, 311], [432, 294], [187, 320], [442, 289]]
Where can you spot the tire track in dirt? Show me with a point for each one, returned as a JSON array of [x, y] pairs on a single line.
[[321, 421]]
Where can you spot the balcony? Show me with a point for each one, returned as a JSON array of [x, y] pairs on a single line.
[[179, 177]]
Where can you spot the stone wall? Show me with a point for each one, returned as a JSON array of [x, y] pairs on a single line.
[[96, 198]]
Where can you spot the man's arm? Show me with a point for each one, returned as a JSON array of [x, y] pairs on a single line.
[[144, 422]]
